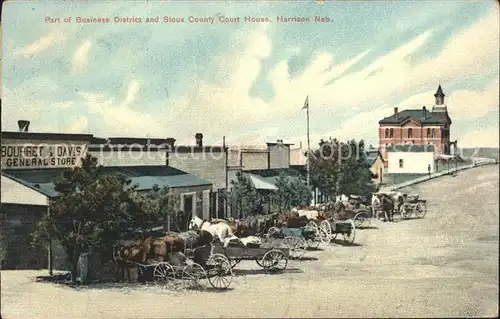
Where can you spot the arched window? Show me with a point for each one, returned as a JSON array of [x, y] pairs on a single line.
[[433, 132], [410, 133], [386, 132], [391, 133], [428, 132]]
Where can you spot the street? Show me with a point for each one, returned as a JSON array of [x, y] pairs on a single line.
[[445, 265]]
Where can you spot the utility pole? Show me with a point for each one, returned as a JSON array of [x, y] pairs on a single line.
[[306, 106]]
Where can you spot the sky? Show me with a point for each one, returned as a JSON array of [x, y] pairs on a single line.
[[248, 81]]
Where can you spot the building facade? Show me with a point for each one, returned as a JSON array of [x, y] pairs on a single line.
[[410, 159], [31, 162], [376, 162], [418, 127]]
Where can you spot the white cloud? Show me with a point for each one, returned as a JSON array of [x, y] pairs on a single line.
[[119, 119], [80, 58], [481, 138], [40, 45], [133, 90], [469, 104], [222, 107], [80, 125]]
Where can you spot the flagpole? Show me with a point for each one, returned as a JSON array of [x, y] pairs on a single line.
[[308, 145]]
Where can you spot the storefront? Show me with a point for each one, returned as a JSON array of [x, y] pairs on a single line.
[[31, 162]]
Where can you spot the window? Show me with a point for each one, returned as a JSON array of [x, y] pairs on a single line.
[[433, 133], [386, 132], [428, 132], [391, 133], [410, 133], [401, 163]]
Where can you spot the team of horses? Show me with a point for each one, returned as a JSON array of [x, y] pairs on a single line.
[[201, 232]]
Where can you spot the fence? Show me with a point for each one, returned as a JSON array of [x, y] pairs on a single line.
[[476, 162]]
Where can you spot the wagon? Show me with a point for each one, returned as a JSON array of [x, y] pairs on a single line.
[[296, 239], [413, 206], [332, 228], [361, 217], [271, 259], [202, 266]]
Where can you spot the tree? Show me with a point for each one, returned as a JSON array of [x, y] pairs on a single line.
[[94, 209], [341, 168], [292, 192], [324, 167], [244, 197], [153, 206], [283, 194]]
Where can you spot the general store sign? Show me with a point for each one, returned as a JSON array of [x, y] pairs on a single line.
[[19, 156]]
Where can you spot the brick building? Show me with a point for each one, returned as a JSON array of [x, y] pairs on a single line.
[[419, 127]]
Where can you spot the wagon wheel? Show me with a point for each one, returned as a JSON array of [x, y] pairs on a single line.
[[274, 260], [312, 225], [297, 246], [349, 237], [219, 273], [313, 242], [325, 232], [196, 275], [420, 209], [405, 211], [164, 273], [362, 220], [272, 232]]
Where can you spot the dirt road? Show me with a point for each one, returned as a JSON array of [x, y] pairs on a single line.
[[443, 265]]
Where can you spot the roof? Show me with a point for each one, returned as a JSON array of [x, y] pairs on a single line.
[[260, 183], [439, 91], [410, 148], [46, 136], [278, 143], [371, 156], [275, 172], [416, 115], [42, 180]]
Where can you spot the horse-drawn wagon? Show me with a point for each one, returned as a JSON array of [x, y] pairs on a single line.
[[268, 257], [201, 266], [331, 228], [296, 239], [413, 206]]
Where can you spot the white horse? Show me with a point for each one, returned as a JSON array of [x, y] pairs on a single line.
[[343, 199], [219, 230], [375, 205]]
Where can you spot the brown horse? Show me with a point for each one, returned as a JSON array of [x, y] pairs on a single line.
[[163, 246], [128, 256], [387, 206]]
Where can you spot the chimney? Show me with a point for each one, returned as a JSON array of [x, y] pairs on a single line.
[[23, 125], [424, 112], [199, 139], [170, 141], [279, 141], [396, 112]]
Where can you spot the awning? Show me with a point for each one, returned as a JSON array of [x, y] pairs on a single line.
[[42, 180], [259, 183], [15, 192]]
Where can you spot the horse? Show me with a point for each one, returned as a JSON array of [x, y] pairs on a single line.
[[162, 247], [222, 231], [386, 205], [129, 255]]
